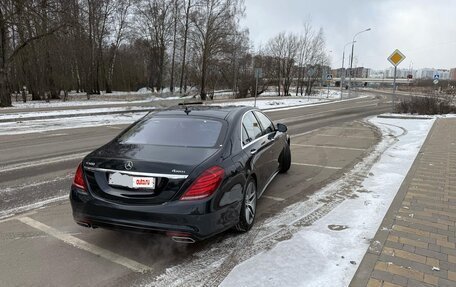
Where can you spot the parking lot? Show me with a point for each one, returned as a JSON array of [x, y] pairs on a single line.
[[45, 246]]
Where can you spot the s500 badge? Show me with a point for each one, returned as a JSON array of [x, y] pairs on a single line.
[[178, 171]]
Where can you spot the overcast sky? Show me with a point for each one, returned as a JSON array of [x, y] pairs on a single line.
[[424, 30]]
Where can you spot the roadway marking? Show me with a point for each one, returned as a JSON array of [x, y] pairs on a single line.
[[329, 147], [326, 102], [54, 135], [303, 134], [81, 244], [273, 198], [355, 137], [350, 128], [290, 119], [316, 165], [16, 210], [35, 184], [42, 162]]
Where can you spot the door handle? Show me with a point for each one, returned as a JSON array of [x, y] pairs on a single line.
[[253, 151]]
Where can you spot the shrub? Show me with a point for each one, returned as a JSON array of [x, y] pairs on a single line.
[[429, 105]]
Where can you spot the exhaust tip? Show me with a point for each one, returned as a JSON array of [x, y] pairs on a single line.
[[182, 239]]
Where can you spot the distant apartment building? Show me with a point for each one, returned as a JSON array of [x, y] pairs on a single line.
[[453, 74], [337, 73], [359, 72], [427, 74], [400, 73]]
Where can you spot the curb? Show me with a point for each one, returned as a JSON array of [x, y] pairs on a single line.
[[404, 117]]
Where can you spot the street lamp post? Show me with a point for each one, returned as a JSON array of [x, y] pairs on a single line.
[[329, 71], [351, 61], [342, 73]]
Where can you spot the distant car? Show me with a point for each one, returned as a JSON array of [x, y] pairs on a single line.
[[190, 172]]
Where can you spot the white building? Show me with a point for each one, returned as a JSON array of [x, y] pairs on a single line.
[[428, 73]]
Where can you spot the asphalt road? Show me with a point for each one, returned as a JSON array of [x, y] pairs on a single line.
[[36, 169]]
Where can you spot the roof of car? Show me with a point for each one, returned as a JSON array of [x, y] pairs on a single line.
[[221, 112]]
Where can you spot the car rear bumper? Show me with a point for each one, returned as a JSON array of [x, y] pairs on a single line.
[[197, 218]]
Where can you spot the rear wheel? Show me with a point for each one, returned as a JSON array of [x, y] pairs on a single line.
[[248, 210], [285, 161]]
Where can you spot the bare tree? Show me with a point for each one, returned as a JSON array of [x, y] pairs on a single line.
[[156, 18], [120, 22], [276, 49], [175, 21], [317, 58], [187, 9], [5, 99], [214, 23], [303, 55]]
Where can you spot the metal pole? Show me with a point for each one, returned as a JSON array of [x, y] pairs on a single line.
[[342, 75], [329, 83], [256, 88], [394, 88], [351, 62], [351, 68]]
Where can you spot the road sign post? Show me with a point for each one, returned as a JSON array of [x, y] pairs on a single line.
[[329, 78], [395, 59]]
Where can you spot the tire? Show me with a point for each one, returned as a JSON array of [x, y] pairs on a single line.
[[248, 209], [285, 160]]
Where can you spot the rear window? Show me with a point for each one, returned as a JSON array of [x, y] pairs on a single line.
[[182, 132]]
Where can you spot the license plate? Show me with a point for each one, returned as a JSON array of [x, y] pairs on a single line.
[[132, 181]]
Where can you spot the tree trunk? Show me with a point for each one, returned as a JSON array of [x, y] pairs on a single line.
[[203, 93], [187, 15], [171, 85], [5, 97]]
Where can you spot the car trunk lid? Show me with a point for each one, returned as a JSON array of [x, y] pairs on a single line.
[[113, 177]]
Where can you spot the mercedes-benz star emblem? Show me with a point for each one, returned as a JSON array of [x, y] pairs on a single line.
[[128, 165]]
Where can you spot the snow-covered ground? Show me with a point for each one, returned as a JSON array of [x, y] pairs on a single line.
[[25, 115], [36, 126], [79, 102], [269, 104], [56, 104], [265, 104], [328, 251]]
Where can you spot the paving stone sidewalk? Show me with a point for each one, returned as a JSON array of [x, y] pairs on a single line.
[[415, 244]]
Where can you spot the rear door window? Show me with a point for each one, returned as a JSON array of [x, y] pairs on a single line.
[[178, 131], [252, 128], [266, 123]]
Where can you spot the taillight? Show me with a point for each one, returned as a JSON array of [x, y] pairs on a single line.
[[205, 184], [78, 180]]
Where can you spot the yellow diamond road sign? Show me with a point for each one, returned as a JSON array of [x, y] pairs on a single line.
[[396, 58]]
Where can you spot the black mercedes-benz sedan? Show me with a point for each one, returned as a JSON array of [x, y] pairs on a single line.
[[190, 172]]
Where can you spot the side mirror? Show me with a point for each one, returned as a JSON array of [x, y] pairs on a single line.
[[282, 128]]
